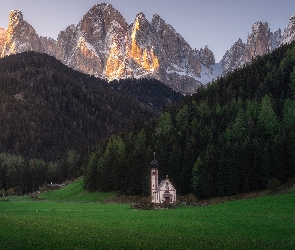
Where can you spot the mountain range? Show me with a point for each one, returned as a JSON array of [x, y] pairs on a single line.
[[103, 44]]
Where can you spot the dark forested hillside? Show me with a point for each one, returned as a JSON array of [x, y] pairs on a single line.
[[148, 91], [48, 111], [234, 135]]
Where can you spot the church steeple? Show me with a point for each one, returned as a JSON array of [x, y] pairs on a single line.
[[154, 163], [154, 177]]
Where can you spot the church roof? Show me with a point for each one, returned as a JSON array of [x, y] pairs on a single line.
[[154, 164], [163, 182]]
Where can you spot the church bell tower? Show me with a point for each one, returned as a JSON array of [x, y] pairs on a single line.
[[154, 178]]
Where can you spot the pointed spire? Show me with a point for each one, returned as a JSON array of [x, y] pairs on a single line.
[[154, 163]]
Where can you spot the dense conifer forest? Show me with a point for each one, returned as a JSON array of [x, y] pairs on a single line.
[[50, 115], [234, 135], [147, 91]]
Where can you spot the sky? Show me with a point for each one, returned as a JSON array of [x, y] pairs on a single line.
[[215, 23]]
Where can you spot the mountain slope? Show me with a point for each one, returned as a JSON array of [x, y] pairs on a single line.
[[48, 108]]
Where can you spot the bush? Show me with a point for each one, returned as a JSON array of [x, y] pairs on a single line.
[[10, 191], [290, 183], [34, 195], [188, 199], [274, 184], [2, 192]]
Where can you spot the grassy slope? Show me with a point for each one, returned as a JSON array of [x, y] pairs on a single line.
[[260, 223], [74, 193]]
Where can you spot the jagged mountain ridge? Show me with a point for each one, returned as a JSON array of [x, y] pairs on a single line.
[[260, 41], [103, 44]]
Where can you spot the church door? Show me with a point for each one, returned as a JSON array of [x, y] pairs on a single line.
[[167, 200]]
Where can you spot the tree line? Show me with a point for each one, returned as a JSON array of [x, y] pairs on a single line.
[[19, 175]]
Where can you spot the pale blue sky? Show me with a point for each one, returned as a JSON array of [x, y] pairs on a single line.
[[216, 23]]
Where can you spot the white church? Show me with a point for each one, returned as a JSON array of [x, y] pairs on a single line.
[[163, 192]]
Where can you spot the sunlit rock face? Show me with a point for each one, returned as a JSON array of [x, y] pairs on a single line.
[[20, 36], [103, 44], [289, 32], [96, 45], [2, 39], [144, 48]]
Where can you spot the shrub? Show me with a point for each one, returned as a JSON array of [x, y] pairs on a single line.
[[10, 191], [274, 184], [2, 192], [188, 199], [290, 183]]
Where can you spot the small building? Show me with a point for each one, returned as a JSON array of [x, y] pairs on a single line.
[[163, 192]]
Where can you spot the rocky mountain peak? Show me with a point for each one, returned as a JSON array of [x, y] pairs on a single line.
[[140, 15], [156, 18], [158, 23], [289, 32], [206, 57], [144, 50], [177, 57], [15, 17], [140, 26], [20, 36], [233, 58], [276, 39], [259, 27], [239, 42], [259, 41], [97, 41], [96, 23]]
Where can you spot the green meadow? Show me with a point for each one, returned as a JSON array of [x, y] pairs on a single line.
[[75, 193], [74, 222]]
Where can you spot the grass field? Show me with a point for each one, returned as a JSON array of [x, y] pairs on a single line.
[[260, 223], [75, 193]]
